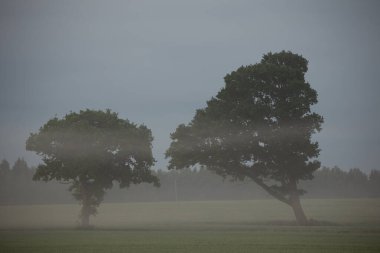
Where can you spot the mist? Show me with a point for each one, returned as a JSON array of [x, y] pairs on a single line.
[[95, 97], [18, 188], [156, 63]]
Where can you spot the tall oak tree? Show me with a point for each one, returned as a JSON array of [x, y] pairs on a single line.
[[259, 126]]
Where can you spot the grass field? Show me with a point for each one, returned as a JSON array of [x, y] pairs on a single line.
[[215, 226]]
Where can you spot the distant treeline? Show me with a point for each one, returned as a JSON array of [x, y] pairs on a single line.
[[17, 186]]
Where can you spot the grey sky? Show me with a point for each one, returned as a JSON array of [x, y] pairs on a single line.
[[155, 62]]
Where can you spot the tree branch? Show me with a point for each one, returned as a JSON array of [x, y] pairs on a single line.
[[267, 188]]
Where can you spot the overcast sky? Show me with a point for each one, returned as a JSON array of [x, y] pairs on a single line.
[[156, 62]]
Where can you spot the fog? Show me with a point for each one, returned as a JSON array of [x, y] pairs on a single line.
[[157, 62], [125, 83], [17, 188]]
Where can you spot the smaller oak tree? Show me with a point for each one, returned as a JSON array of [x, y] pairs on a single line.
[[91, 150]]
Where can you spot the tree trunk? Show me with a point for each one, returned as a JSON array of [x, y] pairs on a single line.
[[85, 211], [295, 203], [293, 200], [85, 216]]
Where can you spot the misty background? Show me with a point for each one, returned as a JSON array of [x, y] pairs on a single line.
[[156, 62], [17, 187]]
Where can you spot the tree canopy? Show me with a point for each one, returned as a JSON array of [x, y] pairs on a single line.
[[91, 150], [258, 126]]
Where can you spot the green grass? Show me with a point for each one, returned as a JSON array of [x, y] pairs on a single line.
[[215, 226], [272, 239]]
